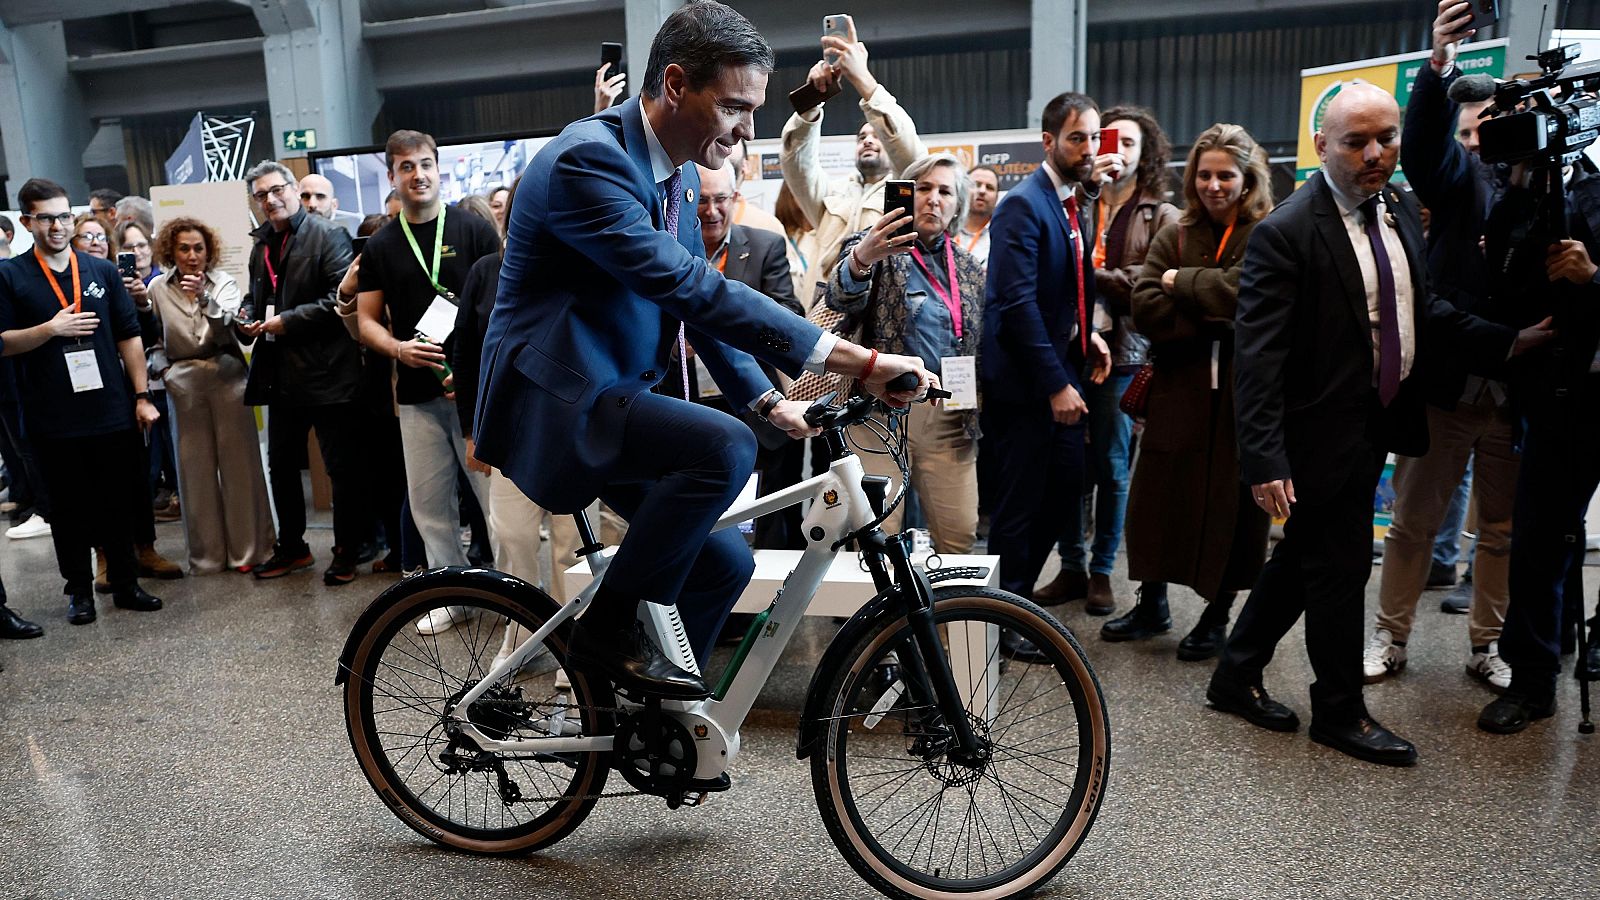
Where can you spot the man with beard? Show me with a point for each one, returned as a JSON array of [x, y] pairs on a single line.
[[316, 195], [974, 235], [1037, 340], [885, 145]]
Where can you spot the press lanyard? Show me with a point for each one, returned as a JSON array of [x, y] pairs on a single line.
[[722, 260], [1223, 244], [976, 238], [77, 286], [951, 297], [438, 252]]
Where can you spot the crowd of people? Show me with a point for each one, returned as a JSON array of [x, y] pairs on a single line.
[[1178, 364]]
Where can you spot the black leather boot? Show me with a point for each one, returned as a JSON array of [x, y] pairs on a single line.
[[1147, 619], [1210, 633]]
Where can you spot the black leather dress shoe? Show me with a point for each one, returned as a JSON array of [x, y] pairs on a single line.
[[1015, 646], [1366, 740], [136, 599], [80, 609], [1251, 703], [16, 627], [1515, 710], [631, 659], [1204, 642]]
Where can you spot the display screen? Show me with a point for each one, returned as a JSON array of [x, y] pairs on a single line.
[[361, 182]]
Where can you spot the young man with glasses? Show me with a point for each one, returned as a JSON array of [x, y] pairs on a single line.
[[71, 327], [305, 370]]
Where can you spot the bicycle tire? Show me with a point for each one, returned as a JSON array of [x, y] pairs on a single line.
[[842, 777], [369, 683]]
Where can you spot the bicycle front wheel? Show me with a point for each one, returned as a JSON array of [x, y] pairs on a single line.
[[915, 823]]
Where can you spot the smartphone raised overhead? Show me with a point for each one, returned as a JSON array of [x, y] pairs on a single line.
[[839, 26], [1484, 14], [611, 55], [900, 195], [806, 97]]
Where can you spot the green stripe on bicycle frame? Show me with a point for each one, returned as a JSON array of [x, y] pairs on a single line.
[[749, 642]]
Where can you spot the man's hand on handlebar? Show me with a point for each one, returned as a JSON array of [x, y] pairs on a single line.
[[891, 366], [790, 415]]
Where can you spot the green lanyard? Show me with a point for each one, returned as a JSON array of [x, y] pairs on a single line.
[[438, 251]]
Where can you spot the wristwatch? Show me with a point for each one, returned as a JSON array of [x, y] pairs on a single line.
[[768, 402], [144, 395]]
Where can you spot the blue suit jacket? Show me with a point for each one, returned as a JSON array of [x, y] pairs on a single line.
[[1031, 297], [591, 293]]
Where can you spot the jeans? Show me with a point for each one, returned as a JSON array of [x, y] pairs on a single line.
[[1447, 546], [430, 435], [1109, 461]]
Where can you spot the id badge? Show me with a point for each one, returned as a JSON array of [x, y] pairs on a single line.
[[83, 368], [704, 385], [959, 376], [439, 320], [266, 314]]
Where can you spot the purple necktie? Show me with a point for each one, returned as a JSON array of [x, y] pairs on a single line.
[[1388, 308], [675, 184]]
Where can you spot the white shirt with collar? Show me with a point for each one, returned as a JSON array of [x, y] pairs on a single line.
[[661, 169], [1399, 263]]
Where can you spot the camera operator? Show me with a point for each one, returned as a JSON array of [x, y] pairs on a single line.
[[1556, 390]]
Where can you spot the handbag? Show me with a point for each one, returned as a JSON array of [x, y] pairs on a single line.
[[1136, 399], [812, 385]]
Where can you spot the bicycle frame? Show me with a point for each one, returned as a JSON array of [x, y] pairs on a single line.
[[840, 507]]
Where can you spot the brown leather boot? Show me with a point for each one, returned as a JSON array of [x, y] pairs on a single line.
[[154, 565], [1066, 586], [1101, 602], [101, 584]]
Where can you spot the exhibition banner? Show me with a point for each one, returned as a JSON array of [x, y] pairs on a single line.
[[187, 164], [221, 205]]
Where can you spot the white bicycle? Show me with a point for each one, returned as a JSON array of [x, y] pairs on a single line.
[[939, 771]]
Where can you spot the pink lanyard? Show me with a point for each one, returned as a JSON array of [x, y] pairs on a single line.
[[951, 297]]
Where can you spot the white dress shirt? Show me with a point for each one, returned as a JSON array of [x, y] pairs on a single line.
[[1399, 263]]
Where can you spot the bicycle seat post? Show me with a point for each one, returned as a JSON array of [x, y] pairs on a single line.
[[589, 543]]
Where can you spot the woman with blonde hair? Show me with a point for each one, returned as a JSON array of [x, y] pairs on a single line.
[[89, 236], [226, 513], [1190, 519]]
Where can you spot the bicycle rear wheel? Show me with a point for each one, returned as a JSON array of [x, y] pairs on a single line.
[[915, 823], [399, 687]]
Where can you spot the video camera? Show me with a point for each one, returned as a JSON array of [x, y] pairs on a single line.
[[1526, 122]]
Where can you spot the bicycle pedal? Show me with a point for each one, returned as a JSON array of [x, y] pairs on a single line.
[[701, 790]]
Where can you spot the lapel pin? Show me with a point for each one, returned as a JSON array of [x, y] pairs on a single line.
[[745, 255], [688, 195]]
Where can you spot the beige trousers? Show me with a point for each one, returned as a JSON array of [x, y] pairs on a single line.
[[514, 523], [1422, 489], [226, 514], [944, 471]]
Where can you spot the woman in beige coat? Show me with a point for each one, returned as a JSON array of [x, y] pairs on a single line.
[[227, 517], [1190, 520]]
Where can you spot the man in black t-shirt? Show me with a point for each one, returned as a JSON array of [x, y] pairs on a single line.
[[411, 271], [71, 327]]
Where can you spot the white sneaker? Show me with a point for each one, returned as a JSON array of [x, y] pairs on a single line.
[[34, 527], [1490, 669], [1382, 658], [445, 618], [514, 636]]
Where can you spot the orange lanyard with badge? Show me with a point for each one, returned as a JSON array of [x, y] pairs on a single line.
[[83, 366], [77, 284]]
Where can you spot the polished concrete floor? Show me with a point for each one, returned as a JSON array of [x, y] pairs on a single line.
[[200, 752]]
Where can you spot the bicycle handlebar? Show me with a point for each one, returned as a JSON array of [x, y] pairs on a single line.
[[823, 414]]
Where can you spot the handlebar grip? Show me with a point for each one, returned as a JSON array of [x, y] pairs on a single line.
[[905, 382], [937, 394]]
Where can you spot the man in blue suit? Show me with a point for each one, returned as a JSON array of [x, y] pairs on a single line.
[[1037, 339], [604, 278]]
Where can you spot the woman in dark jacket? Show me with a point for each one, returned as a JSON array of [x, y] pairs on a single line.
[[921, 294], [1190, 519]]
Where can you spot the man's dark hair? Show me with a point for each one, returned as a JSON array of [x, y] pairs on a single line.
[[1156, 153], [1056, 111], [404, 141], [8, 226], [38, 190], [371, 224], [107, 197], [702, 37]]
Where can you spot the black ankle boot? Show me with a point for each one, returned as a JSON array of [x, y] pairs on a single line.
[[1147, 619], [1210, 633]]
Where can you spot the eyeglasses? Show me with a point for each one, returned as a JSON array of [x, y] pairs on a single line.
[[48, 219], [718, 199], [91, 239], [274, 191]]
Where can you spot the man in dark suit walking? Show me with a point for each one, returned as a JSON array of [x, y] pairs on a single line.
[[604, 273], [1037, 339], [1333, 303]]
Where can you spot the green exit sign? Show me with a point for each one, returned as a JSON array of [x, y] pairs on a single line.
[[300, 139]]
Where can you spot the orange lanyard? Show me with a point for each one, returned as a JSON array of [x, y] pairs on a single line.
[[1223, 244], [50, 278], [976, 238], [722, 260]]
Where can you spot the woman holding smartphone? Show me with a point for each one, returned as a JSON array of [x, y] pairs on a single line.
[[226, 517], [1190, 519]]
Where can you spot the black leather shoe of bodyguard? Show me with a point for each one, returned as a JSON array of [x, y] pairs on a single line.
[[632, 661], [80, 608], [1515, 710], [136, 598], [15, 627], [1251, 703], [1366, 740]]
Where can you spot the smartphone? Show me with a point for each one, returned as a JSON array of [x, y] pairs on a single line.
[[805, 98], [838, 26], [358, 244], [1110, 141], [611, 54], [128, 265], [1484, 14], [900, 195]]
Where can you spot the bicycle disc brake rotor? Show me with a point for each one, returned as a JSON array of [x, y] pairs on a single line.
[[655, 753]]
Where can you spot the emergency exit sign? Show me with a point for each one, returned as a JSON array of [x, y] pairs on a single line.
[[300, 139]]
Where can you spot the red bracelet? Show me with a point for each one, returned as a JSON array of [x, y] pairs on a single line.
[[873, 361]]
